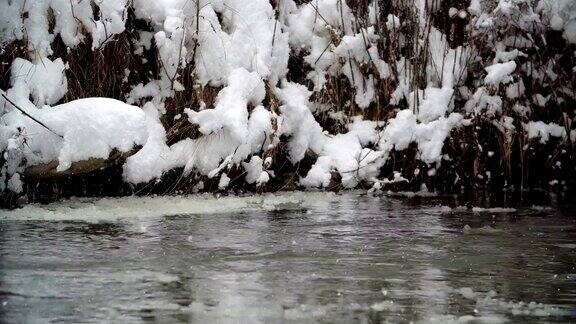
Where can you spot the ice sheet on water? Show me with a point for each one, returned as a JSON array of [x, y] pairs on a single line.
[[481, 230], [488, 301], [446, 319], [114, 209], [493, 210], [491, 309]]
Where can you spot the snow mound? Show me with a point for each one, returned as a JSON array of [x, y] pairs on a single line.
[[82, 129]]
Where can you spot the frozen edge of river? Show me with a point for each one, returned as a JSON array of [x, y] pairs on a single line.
[[111, 209], [137, 207]]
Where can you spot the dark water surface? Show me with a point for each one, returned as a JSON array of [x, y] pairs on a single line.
[[295, 258]]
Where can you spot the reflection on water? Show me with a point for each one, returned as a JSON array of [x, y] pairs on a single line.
[[350, 258]]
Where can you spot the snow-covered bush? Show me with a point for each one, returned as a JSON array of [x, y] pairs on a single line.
[[233, 91]]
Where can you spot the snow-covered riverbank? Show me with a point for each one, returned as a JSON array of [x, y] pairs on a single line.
[[269, 95]]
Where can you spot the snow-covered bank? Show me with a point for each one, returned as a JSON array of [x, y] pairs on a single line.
[[265, 95]]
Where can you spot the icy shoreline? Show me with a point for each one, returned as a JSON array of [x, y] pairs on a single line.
[[126, 208]]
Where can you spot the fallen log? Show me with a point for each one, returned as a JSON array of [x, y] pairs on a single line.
[[48, 171]]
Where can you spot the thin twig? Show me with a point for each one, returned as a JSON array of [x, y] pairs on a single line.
[[30, 116]]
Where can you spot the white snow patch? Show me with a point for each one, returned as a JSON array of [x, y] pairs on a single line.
[[499, 73]]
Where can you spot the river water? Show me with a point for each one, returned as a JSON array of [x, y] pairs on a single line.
[[291, 257]]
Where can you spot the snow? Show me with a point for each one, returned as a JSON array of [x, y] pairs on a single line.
[[141, 91], [113, 15], [15, 183], [392, 22], [360, 48], [499, 73], [484, 103], [399, 132], [344, 153], [544, 131], [45, 80], [503, 56], [223, 182], [434, 103], [230, 134], [255, 42], [404, 129], [70, 16], [151, 161], [231, 108], [315, 37], [255, 172], [561, 15], [447, 65], [89, 128], [172, 55], [298, 122]]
